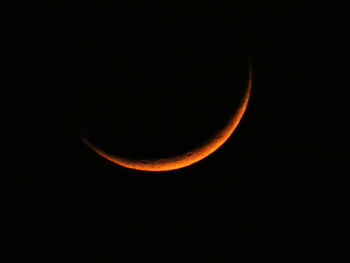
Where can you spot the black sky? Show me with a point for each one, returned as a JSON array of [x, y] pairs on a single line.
[[157, 80]]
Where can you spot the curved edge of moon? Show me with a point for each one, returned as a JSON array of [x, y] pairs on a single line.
[[186, 159]]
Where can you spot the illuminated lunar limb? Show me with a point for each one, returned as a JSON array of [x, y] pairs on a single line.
[[186, 159]]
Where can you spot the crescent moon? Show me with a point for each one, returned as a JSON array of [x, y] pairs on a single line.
[[186, 159]]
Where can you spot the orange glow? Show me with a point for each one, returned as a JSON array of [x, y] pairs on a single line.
[[188, 158]]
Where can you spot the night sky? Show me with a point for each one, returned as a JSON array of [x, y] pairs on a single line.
[[150, 81]]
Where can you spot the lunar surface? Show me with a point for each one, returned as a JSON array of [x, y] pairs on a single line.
[[188, 158]]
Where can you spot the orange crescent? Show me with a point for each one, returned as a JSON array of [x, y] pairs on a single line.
[[188, 158]]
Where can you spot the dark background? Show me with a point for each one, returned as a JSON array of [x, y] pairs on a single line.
[[149, 81]]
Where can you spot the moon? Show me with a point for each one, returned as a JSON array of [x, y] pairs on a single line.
[[188, 158]]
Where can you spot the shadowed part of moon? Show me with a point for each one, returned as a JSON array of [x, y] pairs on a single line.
[[188, 158]]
